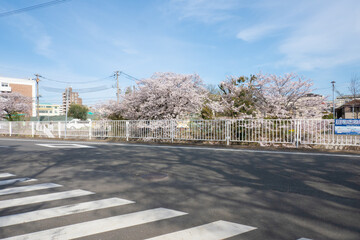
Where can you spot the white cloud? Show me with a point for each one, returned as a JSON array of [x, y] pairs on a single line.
[[208, 11], [315, 34], [43, 44], [329, 38], [34, 32], [256, 32]]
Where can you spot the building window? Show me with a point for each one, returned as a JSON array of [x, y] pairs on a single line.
[[4, 84]]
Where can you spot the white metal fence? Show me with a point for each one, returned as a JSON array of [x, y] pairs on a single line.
[[264, 131]]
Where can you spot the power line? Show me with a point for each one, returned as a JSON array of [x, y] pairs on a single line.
[[26, 9], [128, 76], [72, 82], [79, 90]]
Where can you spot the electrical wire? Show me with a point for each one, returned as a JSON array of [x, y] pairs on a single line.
[[79, 90], [30, 8], [72, 82], [128, 76]]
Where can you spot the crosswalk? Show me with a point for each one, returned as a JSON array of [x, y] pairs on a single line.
[[210, 231], [16, 180]]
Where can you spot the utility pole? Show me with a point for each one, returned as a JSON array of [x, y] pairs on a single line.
[[117, 73], [66, 109], [333, 87], [37, 96]]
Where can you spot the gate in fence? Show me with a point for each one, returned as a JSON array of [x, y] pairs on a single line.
[[264, 131]]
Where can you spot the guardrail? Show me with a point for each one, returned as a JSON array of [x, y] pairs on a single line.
[[263, 131]]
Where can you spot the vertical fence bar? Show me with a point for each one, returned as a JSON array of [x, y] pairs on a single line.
[[227, 132], [90, 131], [32, 129], [59, 129], [297, 124], [127, 130]]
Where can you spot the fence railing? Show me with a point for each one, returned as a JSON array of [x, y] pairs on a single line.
[[264, 131]]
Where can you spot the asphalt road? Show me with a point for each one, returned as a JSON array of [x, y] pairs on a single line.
[[158, 189]]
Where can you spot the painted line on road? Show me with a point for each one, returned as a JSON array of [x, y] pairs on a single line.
[[16, 180], [28, 188], [65, 145], [61, 211], [190, 148], [101, 225], [213, 231], [304, 239], [43, 198], [5, 175]]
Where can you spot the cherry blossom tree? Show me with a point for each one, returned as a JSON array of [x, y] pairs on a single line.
[[163, 96], [287, 96], [11, 104], [236, 99], [111, 110]]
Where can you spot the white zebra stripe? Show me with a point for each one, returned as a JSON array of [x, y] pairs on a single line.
[[101, 225], [16, 180], [43, 198], [5, 175], [61, 211], [213, 231], [28, 188]]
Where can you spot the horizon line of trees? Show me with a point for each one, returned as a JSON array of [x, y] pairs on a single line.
[[174, 96]]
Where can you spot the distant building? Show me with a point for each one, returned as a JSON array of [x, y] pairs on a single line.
[[349, 110], [311, 112], [341, 100], [25, 87], [46, 109], [72, 98]]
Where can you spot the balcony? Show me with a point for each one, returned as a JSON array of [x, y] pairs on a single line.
[[5, 89]]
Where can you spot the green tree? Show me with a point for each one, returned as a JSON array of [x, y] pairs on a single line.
[[78, 111], [237, 96], [213, 97], [328, 116]]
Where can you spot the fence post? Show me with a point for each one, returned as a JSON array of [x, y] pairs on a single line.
[[32, 129], [59, 129], [227, 132], [127, 130], [298, 123], [10, 129], [90, 131], [172, 129]]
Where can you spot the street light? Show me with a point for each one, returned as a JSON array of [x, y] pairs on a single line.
[[333, 87]]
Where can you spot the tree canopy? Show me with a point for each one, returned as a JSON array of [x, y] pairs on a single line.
[[13, 104], [78, 111], [171, 95]]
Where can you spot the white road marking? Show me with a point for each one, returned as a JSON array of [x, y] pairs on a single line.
[[101, 225], [28, 188], [61, 211], [304, 239], [66, 145], [16, 180], [43, 198], [213, 231], [5, 175]]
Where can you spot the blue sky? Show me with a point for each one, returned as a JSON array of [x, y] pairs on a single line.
[[86, 40]]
